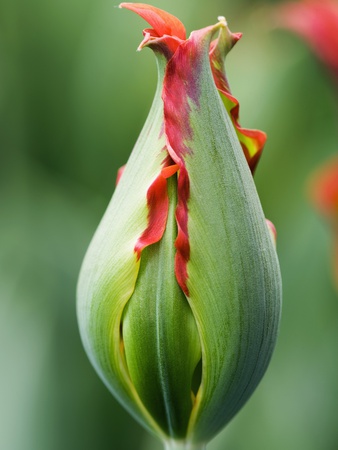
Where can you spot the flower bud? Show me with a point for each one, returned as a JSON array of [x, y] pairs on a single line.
[[179, 293]]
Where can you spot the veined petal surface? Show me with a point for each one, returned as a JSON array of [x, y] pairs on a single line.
[[161, 340], [232, 277], [179, 294], [110, 268]]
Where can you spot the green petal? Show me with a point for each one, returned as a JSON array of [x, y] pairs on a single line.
[[233, 278], [233, 273], [160, 336], [110, 268]]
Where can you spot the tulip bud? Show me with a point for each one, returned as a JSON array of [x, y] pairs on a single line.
[[179, 292]]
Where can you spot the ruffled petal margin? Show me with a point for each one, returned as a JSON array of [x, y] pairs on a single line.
[[252, 141]]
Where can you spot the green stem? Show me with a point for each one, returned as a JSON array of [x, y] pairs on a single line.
[[177, 445]]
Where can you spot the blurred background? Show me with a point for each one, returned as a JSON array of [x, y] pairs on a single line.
[[74, 95]]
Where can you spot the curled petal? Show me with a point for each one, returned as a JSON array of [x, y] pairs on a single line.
[[162, 22], [157, 200], [167, 33], [252, 141]]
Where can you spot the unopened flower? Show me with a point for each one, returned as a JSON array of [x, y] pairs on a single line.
[[179, 293]]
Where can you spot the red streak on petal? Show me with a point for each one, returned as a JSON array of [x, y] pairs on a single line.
[[158, 203], [252, 141], [166, 45], [176, 92], [162, 22], [182, 241], [180, 89], [119, 174]]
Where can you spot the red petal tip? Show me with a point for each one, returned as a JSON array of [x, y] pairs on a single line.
[[237, 36], [272, 230], [168, 171], [119, 174], [162, 22]]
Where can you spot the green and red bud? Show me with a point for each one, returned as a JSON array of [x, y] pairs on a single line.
[[179, 293]]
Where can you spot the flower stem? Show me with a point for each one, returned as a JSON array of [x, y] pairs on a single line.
[[177, 445]]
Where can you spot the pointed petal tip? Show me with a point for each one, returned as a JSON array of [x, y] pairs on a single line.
[[237, 36], [222, 20], [223, 23], [125, 5], [272, 231], [119, 174], [162, 22]]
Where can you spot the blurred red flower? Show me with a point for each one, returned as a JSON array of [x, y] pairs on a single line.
[[317, 22], [324, 195]]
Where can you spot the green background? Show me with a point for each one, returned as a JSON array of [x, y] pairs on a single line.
[[74, 95]]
